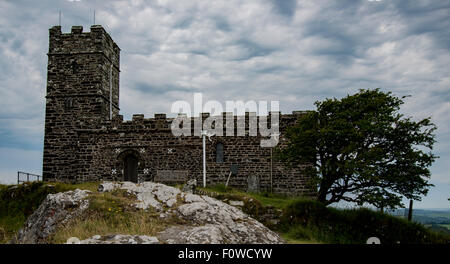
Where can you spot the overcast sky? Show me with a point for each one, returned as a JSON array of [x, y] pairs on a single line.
[[296, 52]]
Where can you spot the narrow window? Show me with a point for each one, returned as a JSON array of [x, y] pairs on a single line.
[[74, 67], [219, 152]]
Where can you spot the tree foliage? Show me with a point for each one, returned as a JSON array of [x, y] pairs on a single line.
[[362, 149]]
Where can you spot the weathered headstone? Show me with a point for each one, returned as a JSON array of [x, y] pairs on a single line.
[[253, 183]]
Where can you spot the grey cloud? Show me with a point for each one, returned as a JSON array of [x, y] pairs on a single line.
[[427, 17], [222, 24], [285, 7], [252, 49], [147, 88]]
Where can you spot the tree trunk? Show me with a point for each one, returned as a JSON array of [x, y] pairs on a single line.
[[324, 187]]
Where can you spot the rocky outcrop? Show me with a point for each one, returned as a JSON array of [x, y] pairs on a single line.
[[119, 239], [268, 215], [190, 186], [206, 220], [211, 221], [56, 210]]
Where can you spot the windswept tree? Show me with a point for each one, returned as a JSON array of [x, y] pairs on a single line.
[[362, 150]]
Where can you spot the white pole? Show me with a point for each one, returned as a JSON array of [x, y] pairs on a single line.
[[204, 157], [110, 92], [271, 170]]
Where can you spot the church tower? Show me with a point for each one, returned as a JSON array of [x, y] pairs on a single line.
[[82, 93]]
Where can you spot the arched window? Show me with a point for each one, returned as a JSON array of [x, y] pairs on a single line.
[[219, 152]]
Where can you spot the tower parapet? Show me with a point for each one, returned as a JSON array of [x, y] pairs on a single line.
[[77, 41]]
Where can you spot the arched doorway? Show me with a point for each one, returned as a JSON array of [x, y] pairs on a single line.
[[130, 168]]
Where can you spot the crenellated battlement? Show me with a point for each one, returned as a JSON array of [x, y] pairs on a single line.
[[97, 40], [161, 116], [160, 122]]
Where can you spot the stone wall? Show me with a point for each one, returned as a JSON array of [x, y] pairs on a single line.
[[169, 159]]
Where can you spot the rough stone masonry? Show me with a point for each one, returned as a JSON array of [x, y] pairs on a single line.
[[86, 139]]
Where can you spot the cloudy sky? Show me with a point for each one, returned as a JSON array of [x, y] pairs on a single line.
[[296, 52]]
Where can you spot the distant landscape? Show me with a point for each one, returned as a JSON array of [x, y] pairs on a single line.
[[435, 219]]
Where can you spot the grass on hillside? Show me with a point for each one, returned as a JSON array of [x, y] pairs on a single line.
[[303, 220], [311, 220]]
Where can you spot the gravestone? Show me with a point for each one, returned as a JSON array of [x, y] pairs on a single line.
[[253, 183]]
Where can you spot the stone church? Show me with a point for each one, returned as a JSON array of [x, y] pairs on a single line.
[[86, 139]]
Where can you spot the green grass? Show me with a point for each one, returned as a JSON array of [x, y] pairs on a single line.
[[299, 235], [308, 221], [311, 220]]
